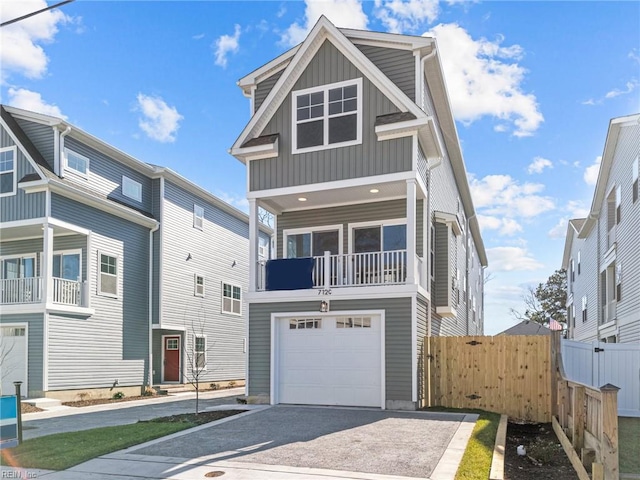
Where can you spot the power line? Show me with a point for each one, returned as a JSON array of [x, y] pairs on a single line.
[[9, 22]]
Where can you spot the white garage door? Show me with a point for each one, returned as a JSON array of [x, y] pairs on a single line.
[[13, 355], [330, 361]]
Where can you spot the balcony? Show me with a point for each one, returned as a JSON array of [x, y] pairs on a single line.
[[15, 291], [353, 270]]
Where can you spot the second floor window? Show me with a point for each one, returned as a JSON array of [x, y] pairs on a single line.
[[108, 275], [231, 299], [327, 116], [131, 189], [7, 171], [77, 163], [634, 179], [198, 217], [198, 286]]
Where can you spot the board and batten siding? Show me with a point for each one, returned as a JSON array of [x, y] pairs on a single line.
[[105, 176], [398, 65], [91, 352], [41, 137], [263, 88], [344, 215], [21, 206], [367, 159], [220, 253], [397, 340], [35, 322]]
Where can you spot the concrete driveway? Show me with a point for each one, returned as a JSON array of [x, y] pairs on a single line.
[[291, 442]]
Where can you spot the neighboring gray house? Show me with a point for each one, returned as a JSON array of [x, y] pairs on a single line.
[[602, 251], [114, 273], [527, 327], [353, 147]]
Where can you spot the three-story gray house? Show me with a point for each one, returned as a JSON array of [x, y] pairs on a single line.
[[353, 147], [602, 251], [115, 274]]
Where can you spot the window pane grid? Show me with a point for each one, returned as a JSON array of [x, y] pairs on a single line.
[[353, 322], [6, 161], [305, 323], [108, 264], [231, 299], [77, 163]]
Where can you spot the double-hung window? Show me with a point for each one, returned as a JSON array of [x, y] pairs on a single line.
[[200, 352], [108, 275], [584, 309], [634, 178], [198, 285], [231, 299], [131, 189], [198, 217], [76, 163], [328, 116], [8, 179]]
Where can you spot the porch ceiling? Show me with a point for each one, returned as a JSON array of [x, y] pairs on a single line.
[[31, 231], [336, 196]]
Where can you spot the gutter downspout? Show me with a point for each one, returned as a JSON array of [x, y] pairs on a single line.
[[60, 155], [466, 261], [150, 372]]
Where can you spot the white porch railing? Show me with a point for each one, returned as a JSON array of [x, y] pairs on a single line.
[[20, 290], [354, 269], [15, 291]]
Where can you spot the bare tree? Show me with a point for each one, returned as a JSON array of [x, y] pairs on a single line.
[[265, 217], [6, 368], [196, 349]]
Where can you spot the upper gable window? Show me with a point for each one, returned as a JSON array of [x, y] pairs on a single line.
[[131, 189], [7, 171], [77, 163], [198, 217], [327, 117]]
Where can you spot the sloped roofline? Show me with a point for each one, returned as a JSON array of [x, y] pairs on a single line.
[[615, 125], [572, 232]]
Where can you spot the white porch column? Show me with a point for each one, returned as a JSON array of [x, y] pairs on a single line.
[[411, 230], [46, 267], [253, 243]]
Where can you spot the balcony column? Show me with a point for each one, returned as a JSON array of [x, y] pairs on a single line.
[[46, 266], [411, 231], [253, 243]]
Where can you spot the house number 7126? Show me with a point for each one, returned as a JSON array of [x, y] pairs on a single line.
[[324, 291]]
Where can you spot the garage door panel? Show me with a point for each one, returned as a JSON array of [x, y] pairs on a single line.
[[304, 357], [357, 377]]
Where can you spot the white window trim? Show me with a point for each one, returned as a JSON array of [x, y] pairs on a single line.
[[311, 230], [195, 285], [195, 353], [117, 275], [34, 256], [325, 88], [196, 217], [14, 171], [222, 297], [375, 223], [73, 171], [76, 251], [132, 183]]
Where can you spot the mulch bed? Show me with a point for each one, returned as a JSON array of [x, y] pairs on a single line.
[[26, 408], [100, 401], [197, 418], [545, 459]]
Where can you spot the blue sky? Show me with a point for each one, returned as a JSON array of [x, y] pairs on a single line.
[[533, 86]]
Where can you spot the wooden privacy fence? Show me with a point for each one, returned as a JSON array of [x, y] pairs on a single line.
[[508, 374]]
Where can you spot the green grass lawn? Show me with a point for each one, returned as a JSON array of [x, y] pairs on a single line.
[[629, 444], [476, 462], [64, 450]]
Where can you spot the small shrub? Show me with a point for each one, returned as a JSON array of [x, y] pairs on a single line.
[[214, 386], [232, 384], [118, 396], [149, 392]]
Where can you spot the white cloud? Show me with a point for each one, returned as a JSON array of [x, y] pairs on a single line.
[[629, 87], [577, 209], [237, 201], [32, 101], [400, 16], [633, 55], [227, 44], [199, 36], [484, 79], [559, 230], [504, 226], [538, 165], [23, 53], [509, 259], [591, 172], [159, 121], [342, 13], [502, 195]]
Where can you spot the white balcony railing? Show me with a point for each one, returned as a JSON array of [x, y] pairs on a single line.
[[20, 290], [29, 290], [353, 269]]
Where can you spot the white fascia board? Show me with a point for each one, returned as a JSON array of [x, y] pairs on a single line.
[[35, 166], [448, 218], [246, 154], [447, 311], [390, 40], [34, 186], [342, 293], [568, 243], [104, 205], [400, 129], [323, 30], [270, 68], [33, 116]]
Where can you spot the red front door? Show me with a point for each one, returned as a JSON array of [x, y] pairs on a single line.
[[172, 359]]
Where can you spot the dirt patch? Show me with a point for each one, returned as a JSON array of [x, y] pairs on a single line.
[[100, 401], [26, 408], [196, 418], [545, 458]]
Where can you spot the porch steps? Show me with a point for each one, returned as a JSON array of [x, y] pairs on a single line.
[[45, 403], [172, 389]]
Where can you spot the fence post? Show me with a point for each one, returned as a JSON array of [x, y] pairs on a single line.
[[19, 410], [555, 359], [609, 440], [578, 417]]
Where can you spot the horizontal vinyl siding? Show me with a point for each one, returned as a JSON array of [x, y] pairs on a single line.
[[344, 215], [35, 346], [263, 88], [112, 343], [20, 206], [42, 138], [398, 65], [421, 325], [397, 341], [369, 158], [586, 283], [105, 176], [441, 271], [220, 253]]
